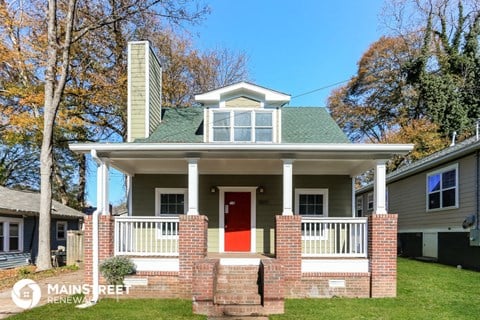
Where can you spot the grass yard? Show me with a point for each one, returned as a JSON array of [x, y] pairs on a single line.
[[425, 291]]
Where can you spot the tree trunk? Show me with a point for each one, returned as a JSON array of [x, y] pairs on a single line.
[[55, 79]]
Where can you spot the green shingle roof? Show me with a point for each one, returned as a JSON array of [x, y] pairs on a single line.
[[310, 125], [179, 125], [299, 125]]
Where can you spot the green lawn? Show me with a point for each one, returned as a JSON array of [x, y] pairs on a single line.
[[425, 291]]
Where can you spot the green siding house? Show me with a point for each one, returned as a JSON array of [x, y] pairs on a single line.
[[242, 183]]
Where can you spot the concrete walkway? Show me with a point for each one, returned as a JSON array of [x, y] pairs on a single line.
[[8, 307]]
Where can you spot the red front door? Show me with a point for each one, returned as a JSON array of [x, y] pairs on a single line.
[[237, 221]]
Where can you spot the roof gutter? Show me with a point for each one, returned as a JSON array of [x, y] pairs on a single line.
[[291, 147]]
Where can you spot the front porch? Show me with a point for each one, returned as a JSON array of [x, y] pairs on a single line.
[[313, 257], [191, 214]]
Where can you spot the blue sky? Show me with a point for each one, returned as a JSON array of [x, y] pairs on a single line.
[[293, 47]]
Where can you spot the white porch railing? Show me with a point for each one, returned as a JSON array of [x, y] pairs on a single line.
[[146, 236], [334, 237]]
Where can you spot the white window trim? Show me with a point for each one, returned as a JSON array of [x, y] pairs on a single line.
[[6, 233], [160, 191], [275, 124], [370, 197], [65, 228], [357, 207], [440, 171], [323, 192]]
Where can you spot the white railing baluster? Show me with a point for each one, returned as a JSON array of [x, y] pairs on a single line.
[[334, 237], [146, 236]]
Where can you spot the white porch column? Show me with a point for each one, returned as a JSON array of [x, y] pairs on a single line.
[[129, 194], [287, 187], [105, 204], [192, 186], [379, 188], [354, 199]]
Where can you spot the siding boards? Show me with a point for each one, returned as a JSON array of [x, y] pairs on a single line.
[[155, 92], [268, 203], [137, 88], [242, 102], [339, 191], [407, 197]]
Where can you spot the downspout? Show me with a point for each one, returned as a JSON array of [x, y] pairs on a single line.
[[96, 213]]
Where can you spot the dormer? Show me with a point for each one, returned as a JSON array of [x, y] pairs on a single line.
[[242, 113]]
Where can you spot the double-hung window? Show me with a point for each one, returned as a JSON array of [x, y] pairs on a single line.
[[242, 126], [370, 201], [312, 203], [359, 205], [442, 188], [62, 230], [11, 234], [170, 201]]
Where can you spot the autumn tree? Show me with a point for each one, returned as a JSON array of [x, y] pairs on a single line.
[[67, 23]]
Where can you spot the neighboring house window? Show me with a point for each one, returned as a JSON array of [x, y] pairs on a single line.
[[359, 206], [370, 201], [11, 234], [170, 201], [242, 126], [311, 202], [62, 230], [442, 191]]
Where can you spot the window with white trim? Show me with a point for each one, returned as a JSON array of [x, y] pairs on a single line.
[[311, 202], [62, 230], [359, 206], [170, 201], [11, 234], [370, 201], [242, 126], [442, 190]]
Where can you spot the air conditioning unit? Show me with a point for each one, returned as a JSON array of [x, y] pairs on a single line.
[[475, 237]]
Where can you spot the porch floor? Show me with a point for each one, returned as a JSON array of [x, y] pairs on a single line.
[[239, 255]]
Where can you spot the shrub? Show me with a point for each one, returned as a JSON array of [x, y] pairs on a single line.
[[115, 269]]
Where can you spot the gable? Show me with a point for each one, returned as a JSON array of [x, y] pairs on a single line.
[[242, 102]]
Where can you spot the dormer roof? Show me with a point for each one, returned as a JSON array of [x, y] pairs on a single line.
[[243, 89]]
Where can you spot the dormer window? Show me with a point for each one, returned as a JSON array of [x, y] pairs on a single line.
[[242, 113], [242, 125]]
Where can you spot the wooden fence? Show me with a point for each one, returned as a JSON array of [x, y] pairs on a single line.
[[74, 247]]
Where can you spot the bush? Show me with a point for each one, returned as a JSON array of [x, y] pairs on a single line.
[[115, 269]]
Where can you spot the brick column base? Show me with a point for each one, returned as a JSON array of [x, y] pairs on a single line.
[[192, 247], [382, 252], [105, 243], [288, 245]]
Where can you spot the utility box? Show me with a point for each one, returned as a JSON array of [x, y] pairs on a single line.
[[475, 237]]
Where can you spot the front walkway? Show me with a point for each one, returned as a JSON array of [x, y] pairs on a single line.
[[8, 307]]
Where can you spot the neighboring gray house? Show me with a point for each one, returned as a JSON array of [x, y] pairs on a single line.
[[433, 197], [19, 226]]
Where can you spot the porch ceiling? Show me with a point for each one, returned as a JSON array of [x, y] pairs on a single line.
[[348, 159]]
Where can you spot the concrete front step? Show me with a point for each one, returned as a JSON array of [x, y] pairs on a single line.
[[238, 299]]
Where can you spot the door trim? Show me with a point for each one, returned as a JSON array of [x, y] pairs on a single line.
[[253, 215]]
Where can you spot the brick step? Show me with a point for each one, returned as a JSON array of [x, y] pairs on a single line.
[[237, 269], [237, 299], [244, 310], [232, 289], [240, 279]]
